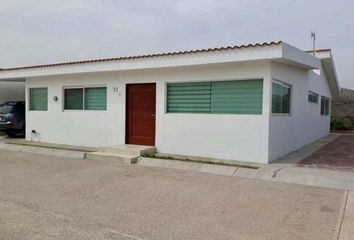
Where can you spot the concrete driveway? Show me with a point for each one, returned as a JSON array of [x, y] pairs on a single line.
[[45, 197], [4, 137]]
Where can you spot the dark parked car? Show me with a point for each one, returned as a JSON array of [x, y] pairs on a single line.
[[12, 118]]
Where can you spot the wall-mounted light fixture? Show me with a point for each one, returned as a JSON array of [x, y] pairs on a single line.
[[55, 98]]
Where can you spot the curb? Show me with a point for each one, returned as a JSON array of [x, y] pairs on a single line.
[[42, 150], [275, 173], [302, 176], [192, 166]]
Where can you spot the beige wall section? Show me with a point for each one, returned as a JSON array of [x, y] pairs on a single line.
[[305, 123], [226, 136], [12, 91]]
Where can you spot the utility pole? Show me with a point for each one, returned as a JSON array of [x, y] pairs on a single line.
[[313, 36]]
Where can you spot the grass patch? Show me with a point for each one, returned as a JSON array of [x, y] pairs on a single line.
[[164, 157]]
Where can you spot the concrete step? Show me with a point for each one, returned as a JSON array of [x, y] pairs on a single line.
[[109, 156], [128, 149]]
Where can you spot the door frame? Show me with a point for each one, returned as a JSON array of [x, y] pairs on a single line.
[[127, 111]]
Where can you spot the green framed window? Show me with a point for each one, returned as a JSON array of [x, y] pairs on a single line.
[[96, 98], [313, 97], [74, 99], [38, 99], [280, 98], [237, 97], [218, 97], [85, 98], [188, 97], [325, 102]]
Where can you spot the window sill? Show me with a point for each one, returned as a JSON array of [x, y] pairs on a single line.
[[281, 114], [84, 111], [215, 114]]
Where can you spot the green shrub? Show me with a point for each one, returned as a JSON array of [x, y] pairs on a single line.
[[339, 125]]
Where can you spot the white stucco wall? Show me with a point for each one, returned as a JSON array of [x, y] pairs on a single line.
[[12, 91], [236, 137], [305, 123], [228, 136]]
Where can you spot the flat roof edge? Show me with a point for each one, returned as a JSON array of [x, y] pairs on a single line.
[[296, 55]]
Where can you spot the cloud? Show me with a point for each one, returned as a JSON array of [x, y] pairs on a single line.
[[41, 31]]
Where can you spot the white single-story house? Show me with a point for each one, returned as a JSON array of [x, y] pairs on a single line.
[[252, 103]]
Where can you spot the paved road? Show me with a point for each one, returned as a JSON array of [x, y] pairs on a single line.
[[45, 197]]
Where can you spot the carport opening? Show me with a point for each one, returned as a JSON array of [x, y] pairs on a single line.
[[12, 107]]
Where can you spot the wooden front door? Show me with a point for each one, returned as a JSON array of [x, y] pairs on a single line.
[[140, 114]]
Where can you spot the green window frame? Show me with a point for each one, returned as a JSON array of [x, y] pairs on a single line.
[[313, 97], [217, 97], [325, 105], [188, 97], [38, 99], [73, 99], [95, 98], [85, 98], [281, 98]]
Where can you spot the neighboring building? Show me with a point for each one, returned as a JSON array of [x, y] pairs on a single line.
[[343, 109], [343, 104], [250, 103]]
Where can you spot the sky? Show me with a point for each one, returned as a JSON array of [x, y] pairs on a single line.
[[50, 31]]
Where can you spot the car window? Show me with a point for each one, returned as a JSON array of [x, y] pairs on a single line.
[[4, 109]]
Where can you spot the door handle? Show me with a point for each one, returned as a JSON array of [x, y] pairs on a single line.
[[152, 115]]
